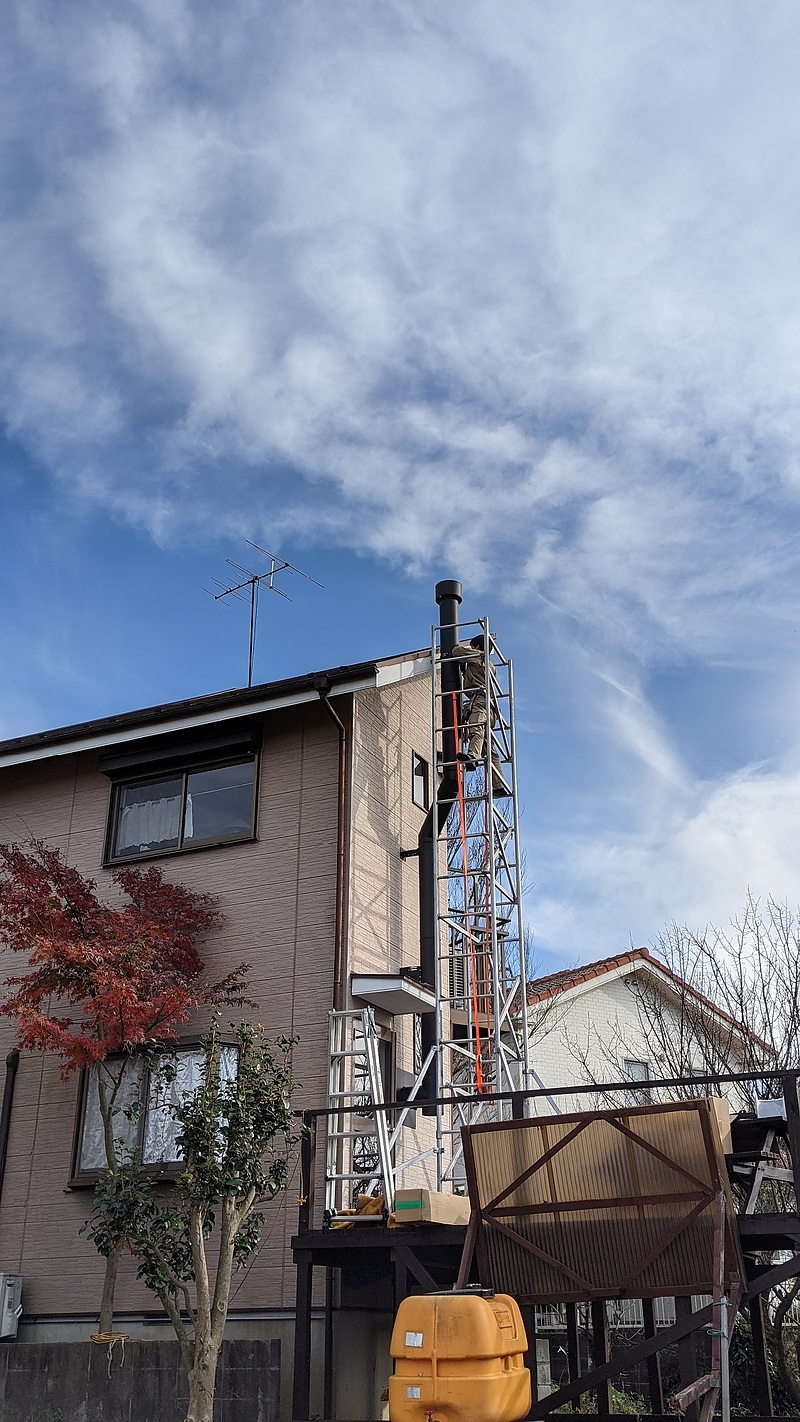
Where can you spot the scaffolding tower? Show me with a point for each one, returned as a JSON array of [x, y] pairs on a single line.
[[475, 1044], [481, 984]]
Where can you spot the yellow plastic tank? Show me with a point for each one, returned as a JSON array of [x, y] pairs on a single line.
[[459, 1358]]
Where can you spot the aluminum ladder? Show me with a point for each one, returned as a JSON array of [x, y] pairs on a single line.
[[358, 1152]]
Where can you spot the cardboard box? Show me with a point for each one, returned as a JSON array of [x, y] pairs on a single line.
[[431, 1207]]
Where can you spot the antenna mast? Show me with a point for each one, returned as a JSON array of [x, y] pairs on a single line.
[[253, 582]]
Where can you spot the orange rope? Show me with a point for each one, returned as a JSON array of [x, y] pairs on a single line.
[[487, 936], [472, 967]]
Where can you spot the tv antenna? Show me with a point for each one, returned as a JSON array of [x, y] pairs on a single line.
[[248, 589]]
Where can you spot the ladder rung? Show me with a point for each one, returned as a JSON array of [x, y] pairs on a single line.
[[368, 1173], [351, 1136]]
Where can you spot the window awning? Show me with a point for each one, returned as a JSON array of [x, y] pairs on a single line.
[[393, 993]]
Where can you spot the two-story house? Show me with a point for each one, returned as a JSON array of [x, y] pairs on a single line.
[[630, 1018], [291, 803]]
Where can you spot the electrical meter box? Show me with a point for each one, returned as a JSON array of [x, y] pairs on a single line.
[[10, 1304], [459, 1358]]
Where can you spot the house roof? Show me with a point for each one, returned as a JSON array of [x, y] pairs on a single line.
[[552, 983], [211, 709], [549, 986]]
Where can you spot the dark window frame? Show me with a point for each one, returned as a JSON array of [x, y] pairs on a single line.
[[166, 1170], [158, 773], [420, 769]]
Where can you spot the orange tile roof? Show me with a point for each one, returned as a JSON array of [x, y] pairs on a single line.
[[552, 983]]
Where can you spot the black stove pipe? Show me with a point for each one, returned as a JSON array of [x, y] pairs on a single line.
[[12, 1064], [448, 598]]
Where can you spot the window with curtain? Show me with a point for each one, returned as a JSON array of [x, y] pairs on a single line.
[[143, 1116], [213, 805]]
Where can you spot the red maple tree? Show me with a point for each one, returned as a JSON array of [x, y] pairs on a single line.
[[101, 978]]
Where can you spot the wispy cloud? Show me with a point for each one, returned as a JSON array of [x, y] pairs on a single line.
[[694, 863], [511, 287]]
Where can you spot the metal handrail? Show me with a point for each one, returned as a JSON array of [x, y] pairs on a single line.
[[788, 1078], [597, 1087]]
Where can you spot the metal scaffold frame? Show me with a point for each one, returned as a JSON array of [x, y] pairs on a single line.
[[481, 983], [478, 1046]]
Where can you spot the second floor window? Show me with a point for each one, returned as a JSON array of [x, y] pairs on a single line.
[[189, 808]]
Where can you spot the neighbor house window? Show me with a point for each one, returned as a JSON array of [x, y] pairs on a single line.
[[420, 793], [181, 811], [143, 1121], [639, 1072]]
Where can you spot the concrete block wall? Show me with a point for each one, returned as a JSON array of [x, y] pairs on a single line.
[[78, 1382]]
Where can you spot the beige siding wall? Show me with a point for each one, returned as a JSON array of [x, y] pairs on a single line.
[[384, 889], [383, 910], [278, 898]]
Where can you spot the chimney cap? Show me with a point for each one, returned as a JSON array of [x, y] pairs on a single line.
[[448, 588]]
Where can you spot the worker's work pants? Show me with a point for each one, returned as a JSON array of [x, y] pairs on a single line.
[[474, 726], [474, 729]]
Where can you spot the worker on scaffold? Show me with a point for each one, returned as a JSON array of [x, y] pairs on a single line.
[[473, 721]]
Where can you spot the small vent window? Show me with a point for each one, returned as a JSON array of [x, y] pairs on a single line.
[[420, 776], [639, 1072]]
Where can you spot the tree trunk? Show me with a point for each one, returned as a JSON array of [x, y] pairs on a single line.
[[202, 1378], [109, 1287], [212, 1308], [106, 1103], [782, 1341]]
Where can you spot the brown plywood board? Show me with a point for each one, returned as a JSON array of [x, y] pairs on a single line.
[[601, 1204]]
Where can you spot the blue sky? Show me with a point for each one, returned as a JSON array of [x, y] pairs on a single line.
[[497, 291]]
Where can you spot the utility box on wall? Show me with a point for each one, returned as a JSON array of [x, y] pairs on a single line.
[[10, 1304]]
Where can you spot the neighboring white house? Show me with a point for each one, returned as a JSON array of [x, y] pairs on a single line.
[[629, 1018]]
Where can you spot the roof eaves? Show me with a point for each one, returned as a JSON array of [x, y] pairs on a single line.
[[202, 710], [554, 983]]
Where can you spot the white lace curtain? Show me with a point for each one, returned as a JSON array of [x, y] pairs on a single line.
[[161, 1130], [152, 822], [122, 1075]]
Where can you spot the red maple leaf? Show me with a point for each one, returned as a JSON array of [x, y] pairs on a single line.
[[101, 977]]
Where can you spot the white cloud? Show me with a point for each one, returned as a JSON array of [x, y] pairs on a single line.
[[511, 288], [694, 863]]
